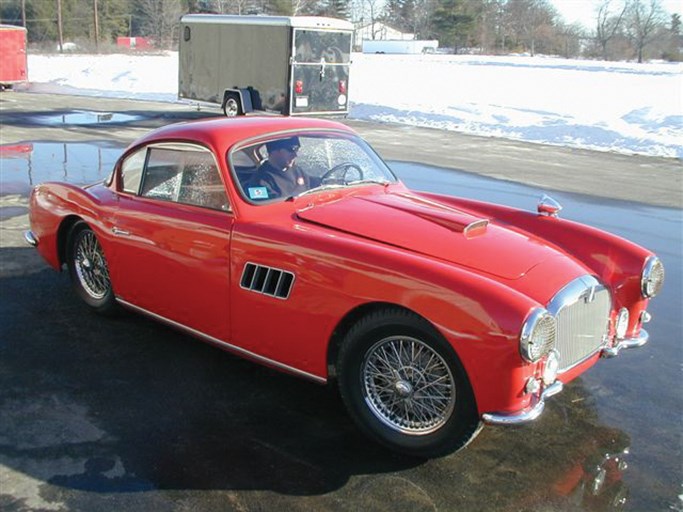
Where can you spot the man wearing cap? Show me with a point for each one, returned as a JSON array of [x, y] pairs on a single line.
[[279, 176]]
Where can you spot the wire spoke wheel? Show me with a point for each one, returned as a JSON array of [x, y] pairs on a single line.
[[90, 266], [408, 386]]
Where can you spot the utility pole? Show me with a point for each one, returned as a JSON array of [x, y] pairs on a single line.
[[59, 26], [97, 28], [23, 13]]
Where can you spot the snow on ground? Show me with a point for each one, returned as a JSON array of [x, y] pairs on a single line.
[[606, 106]]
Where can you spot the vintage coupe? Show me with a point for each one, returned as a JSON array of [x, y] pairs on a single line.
[[432, 314]]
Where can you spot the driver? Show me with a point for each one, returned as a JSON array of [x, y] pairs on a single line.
[[279, 176]]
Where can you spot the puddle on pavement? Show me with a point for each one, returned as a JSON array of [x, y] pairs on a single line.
[[24, 165], [82, 117], [9, 212]]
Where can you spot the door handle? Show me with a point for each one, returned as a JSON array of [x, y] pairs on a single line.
[[120, 232]]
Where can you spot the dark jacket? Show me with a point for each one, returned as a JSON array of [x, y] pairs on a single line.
[[269, 182]]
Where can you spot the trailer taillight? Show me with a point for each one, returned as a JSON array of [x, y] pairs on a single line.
[[299, 87], [342, 86]]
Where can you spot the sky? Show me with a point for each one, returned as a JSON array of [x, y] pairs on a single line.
[[583, 11], [607, 106]]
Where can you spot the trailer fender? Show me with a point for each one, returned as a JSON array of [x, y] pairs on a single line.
[[237, 102]]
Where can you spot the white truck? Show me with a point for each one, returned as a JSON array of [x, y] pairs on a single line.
[[288, 65]]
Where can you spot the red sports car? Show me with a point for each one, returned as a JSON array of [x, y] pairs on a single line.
[[290, 242]]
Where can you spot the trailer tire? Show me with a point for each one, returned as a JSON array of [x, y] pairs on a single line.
[[232, 106]]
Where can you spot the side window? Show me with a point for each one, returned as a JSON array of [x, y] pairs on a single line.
[[245, 164], [131, 171], [201, 184], [162, 174], [187, 176]]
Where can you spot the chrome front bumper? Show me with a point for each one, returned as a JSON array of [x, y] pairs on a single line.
[[30, 238], [527, 415], [636, 342], [535, 410]]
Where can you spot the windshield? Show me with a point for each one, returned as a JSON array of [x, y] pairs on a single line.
[[291, 165]]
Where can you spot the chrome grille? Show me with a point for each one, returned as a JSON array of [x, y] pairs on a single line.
[[582, 311]]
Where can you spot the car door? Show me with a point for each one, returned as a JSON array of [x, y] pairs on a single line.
[[172, 233]]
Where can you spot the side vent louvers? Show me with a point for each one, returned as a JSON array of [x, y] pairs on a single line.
[[267, 280]]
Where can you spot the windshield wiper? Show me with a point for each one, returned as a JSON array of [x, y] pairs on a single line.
[[329, 186], [332, 186], [376, 181]]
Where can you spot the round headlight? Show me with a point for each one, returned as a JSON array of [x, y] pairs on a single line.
[[622, 323], [653, 277], [538, 335]]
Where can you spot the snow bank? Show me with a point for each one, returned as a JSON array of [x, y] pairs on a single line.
[[622, 107]]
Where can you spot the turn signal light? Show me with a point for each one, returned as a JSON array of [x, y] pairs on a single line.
[[299, 87], [342, 86]]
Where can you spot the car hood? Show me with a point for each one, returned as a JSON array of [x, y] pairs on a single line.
[[421, 225]]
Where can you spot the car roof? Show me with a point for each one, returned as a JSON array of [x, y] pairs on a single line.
[[221, 133]]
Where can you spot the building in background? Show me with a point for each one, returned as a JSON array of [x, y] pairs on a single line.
[[378, 31]]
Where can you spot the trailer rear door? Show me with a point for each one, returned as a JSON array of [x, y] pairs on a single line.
[[320, 72]]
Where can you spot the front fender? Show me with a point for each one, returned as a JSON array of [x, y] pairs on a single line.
[[615, 261], [335, 275]]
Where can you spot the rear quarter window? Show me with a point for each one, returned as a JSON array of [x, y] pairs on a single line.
[[131, 171]]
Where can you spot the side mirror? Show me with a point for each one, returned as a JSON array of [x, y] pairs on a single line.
[[548, 206]]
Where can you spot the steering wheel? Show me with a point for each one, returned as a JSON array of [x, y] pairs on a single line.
[[339, 174]]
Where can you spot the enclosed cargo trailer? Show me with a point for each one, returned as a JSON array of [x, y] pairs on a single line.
[[13, 68], [407, 46], [287, 65]]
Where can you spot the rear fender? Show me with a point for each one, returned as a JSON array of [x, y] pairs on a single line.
[[54, 208]]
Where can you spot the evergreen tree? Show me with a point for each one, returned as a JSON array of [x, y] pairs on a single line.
[[453, 24]]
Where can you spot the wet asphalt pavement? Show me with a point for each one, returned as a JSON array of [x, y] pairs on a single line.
[[126, 414]]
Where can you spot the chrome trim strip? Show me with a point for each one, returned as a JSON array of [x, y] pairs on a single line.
[[626, 343], [223, 345], [120, 232], [30, 238], [573, 292], [527, 415], [477, 225]]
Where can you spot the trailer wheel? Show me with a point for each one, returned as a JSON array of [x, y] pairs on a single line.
[[232, 106]]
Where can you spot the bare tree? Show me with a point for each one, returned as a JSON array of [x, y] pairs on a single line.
[[368, 13], [608, 23], [300, 7], [568, 39], [160, 20], [644, 21], [529, 20]]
